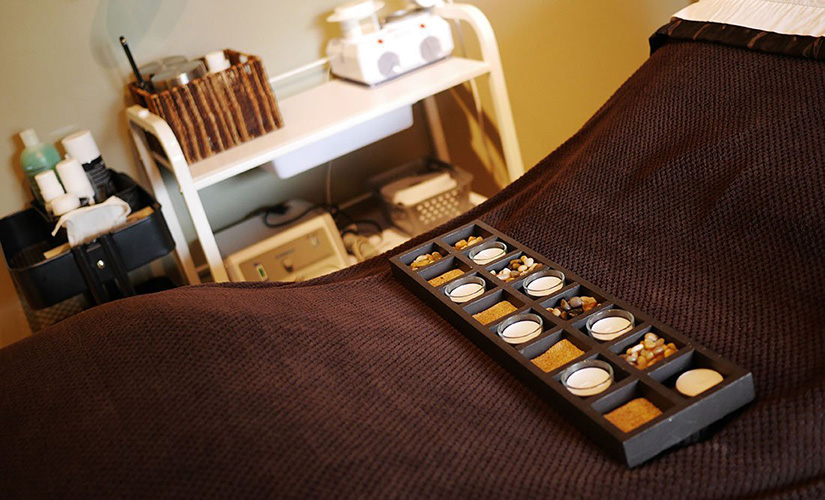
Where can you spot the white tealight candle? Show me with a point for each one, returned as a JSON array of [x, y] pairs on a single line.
[[588, 381], [610, 327], [694, 382], [521, 331], [545, 285], [488, 255], [466, 292]]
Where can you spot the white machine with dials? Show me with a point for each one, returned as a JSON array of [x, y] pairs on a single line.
[[371, 53], [309, 247]]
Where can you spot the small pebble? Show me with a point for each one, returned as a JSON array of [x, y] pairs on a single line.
[[649, 351], [518, 268], [588, 303], [472, 240], [425, 260], [574, 307]]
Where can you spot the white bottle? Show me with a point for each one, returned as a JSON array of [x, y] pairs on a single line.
[[75, 180]]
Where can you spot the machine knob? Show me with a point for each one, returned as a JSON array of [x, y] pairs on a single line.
[[388, 64], [288, 264], [431, 49]]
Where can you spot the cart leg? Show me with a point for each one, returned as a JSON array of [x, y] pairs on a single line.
[[506, 126], [498, 88], [202, 228], [182, 254], [437, 136]]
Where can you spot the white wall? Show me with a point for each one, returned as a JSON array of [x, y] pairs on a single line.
[[63, 69]]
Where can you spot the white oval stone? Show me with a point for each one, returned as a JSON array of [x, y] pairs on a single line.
[[694, 382]]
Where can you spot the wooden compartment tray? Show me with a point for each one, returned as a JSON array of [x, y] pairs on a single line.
[[681, 417]]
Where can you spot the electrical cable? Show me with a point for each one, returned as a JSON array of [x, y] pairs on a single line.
[[275, 209], [329, 183]]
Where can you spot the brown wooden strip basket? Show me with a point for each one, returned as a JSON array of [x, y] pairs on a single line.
[[220, 110]]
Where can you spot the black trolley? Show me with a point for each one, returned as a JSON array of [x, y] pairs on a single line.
[[99, 270]]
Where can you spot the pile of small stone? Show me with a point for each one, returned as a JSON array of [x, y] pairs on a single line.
[[568, 309], [518, 268], [425, 260], [649, 351], [472, 240]]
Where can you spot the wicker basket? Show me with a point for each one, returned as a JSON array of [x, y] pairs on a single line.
[[435, 210], [220, 110]]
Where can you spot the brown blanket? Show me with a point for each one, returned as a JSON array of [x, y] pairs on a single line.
[[695, 193]]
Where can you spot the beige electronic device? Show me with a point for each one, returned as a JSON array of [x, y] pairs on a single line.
[[305, 249]]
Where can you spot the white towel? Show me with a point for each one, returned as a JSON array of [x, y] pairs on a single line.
[[409, 191], [87, 223]]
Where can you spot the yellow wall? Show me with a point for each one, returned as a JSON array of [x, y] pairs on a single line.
[[63, 70]]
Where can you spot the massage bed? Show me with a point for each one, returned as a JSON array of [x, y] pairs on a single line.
[[695, 193]]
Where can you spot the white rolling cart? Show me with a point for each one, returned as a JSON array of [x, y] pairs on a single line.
[[309, 120]]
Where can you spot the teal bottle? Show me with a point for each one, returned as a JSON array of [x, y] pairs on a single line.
[[36, 158]]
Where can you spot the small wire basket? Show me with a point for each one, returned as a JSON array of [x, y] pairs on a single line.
[[433, 211]]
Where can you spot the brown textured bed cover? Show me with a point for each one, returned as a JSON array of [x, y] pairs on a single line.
[[695, 193]]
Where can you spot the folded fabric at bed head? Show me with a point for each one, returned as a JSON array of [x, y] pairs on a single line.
[[789, 27]]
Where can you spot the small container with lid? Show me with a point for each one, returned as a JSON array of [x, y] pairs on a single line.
[[75, 180], [82, 147], [520, 328], [488, 252], [465, 289], [543, 283], [610, 324], [50, 188], [588, 377], [178, 75], [216, 61]]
